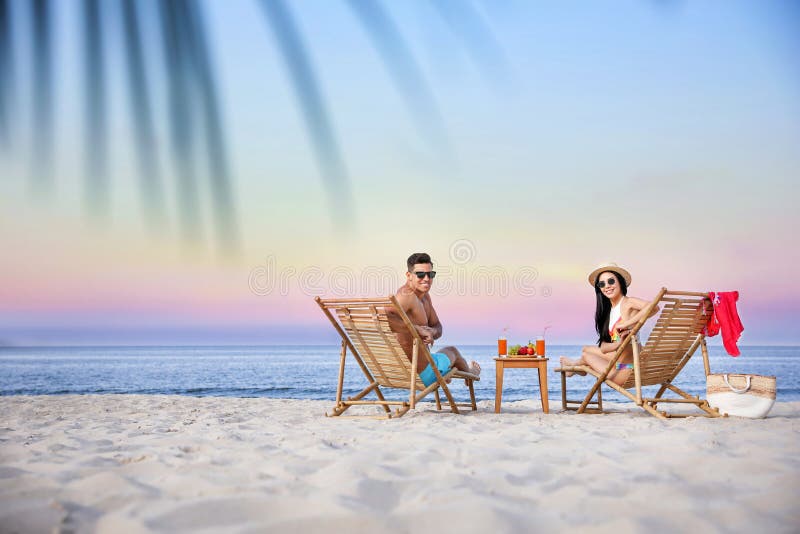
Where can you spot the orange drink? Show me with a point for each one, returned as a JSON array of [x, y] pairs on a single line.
[[540, 346], [502, 346]]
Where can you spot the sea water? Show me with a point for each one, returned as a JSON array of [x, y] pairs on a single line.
[[310, 372]]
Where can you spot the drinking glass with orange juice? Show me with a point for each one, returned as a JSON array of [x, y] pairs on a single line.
[[502, 346]]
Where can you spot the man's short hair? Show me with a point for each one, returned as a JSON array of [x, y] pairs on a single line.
[[418, 257]]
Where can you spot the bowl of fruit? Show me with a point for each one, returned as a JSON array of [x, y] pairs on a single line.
[[522, 350]]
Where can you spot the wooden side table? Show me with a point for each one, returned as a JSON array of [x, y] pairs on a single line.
[[521, 362]]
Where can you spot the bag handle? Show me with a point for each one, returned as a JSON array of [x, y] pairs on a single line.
[[740, 391]]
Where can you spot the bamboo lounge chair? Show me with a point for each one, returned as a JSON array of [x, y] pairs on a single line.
[[672, 342], [364, 328]]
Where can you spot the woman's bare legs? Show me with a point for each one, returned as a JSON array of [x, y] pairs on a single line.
[[591, 351], [598, 360]]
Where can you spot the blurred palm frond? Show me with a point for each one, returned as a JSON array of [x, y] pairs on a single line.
[[195, 123], [313, 105]]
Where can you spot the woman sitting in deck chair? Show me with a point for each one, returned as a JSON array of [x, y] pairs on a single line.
[[616, 313]]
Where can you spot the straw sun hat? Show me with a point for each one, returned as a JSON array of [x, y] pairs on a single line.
[[609, 266]]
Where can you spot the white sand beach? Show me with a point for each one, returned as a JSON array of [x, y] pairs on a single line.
[[142, 463]]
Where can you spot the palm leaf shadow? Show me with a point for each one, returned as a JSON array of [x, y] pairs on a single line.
[[304, 79], [42, 83], [196, 133], [182, 122], [6, 73], [467, 23], [402, 67], [141, 111], [97, 186]]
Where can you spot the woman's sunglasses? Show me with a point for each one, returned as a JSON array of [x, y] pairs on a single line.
[[423, 274], [611, 281]]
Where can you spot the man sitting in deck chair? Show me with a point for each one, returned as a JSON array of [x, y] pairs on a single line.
[[415, 299]]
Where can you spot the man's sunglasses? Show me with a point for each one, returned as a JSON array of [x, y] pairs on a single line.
[[423, 274], [611, 281]]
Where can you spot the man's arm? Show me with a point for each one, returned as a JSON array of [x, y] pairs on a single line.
[[433, 320], [407, 300]]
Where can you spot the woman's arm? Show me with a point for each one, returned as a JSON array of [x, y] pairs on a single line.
[[641, 307]]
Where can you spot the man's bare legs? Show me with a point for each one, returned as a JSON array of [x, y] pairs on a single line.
[[458, 361]]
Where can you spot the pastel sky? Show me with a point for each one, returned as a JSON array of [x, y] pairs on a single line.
[[662, 135]]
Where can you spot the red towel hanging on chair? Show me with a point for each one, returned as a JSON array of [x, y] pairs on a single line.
[[725, 319]]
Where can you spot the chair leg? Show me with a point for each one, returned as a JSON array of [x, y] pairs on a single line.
[[711, 411], [600, 398], [472, 395], [400, 411], [588, 400], [342, 406], [438, 401], [652, 411], [704, 405], [595, 388], [450, 399]]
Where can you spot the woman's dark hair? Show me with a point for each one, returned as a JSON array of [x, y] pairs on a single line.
[[418, 257], [603, 311]]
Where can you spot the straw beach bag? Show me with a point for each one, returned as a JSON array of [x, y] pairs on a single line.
[[741, 395]]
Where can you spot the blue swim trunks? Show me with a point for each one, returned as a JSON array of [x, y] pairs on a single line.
[[442, 362]]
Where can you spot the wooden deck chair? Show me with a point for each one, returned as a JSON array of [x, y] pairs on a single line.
[[677, 334], [364, 328]]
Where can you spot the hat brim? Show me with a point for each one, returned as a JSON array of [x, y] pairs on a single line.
[[615, 268]]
